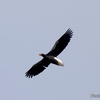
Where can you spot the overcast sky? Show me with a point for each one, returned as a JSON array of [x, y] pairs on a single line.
[[30, 27]]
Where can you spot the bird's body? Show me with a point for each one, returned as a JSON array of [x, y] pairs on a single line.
[[51, 57]]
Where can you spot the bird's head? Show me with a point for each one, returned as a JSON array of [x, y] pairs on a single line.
[[41, 54]]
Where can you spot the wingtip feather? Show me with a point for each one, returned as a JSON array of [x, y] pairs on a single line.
[[70, 32]]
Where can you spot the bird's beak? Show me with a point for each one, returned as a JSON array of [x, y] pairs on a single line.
[[40, 54]]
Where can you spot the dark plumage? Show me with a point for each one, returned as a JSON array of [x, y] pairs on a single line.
[[50, 57]]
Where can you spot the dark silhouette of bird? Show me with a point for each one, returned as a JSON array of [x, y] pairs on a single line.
[[51, 57]]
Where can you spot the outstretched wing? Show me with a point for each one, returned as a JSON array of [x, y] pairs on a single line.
[[61, 43], [37, 68]]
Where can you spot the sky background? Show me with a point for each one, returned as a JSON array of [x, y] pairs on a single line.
[[30, 27]]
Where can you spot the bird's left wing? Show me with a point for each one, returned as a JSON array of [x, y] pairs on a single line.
[[61, 43], [35, 69]]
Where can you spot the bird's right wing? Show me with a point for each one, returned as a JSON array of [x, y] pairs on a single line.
[[35, 69], [61, 43]]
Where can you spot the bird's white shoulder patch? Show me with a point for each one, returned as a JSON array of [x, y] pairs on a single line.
[[60, 62]]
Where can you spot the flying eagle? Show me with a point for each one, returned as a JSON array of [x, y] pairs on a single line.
[[51, 57]]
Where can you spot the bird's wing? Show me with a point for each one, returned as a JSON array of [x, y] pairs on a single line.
[[61, 43], [37, 68]]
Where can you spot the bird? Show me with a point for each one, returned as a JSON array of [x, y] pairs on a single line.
[[51, 56]]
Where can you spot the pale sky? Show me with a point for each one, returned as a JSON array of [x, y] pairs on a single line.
[[29, 27]]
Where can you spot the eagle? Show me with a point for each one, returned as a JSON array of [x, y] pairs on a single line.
[[51, 56]]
